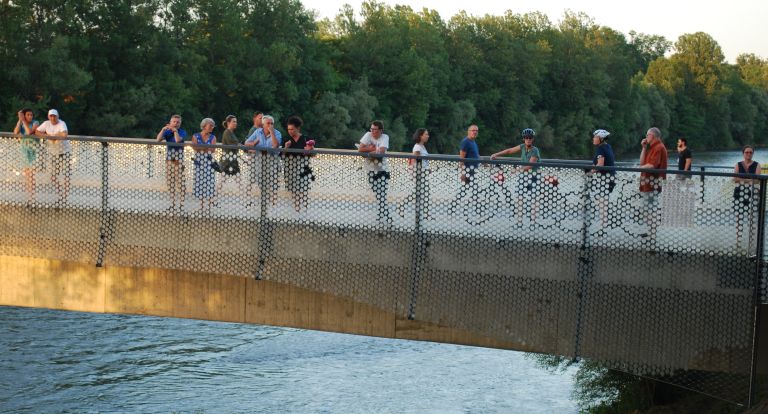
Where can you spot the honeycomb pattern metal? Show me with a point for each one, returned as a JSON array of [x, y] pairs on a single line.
[[657, 283]]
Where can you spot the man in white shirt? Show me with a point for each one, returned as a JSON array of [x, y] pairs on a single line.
[[55, 131], [377, 142]]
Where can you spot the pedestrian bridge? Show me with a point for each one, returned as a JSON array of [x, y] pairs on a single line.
[[667, 288]]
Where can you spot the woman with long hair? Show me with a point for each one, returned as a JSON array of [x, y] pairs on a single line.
[[30, 144]]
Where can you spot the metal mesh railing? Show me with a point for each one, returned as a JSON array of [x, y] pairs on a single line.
[[657, 283]]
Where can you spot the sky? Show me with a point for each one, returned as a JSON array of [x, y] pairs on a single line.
[[739, 26]]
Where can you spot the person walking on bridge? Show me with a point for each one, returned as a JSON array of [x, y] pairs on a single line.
[[469, 153], [603, 181], [173, 133]]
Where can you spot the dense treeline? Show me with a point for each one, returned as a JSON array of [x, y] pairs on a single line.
[[121, 67]]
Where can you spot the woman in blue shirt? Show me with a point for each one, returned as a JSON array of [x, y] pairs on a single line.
[[205, 181], [26, 126]]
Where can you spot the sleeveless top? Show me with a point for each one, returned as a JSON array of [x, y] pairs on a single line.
[[751, 170]]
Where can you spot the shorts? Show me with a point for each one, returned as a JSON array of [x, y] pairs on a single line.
[[61, 164], [528, 184], [650, 198], [604, 185]]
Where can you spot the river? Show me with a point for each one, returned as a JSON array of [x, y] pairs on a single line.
[[52, 361]]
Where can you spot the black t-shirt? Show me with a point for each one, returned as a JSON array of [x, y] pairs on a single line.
[[681, 157], [297, 144]]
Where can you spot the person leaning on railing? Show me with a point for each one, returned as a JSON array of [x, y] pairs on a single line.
[[26, 127], [55, 131], [228, 164], [298, 172], [376, 141], [205, 181], [743, 193], [528, 181], [172, 133], [420, 138], [262, 139]]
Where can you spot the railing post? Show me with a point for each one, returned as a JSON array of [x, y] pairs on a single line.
[[703, 187], [584, 272], [756, 295], [419, 246], [105, 227], [265, 230]]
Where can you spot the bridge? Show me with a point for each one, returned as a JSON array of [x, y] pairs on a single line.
[[670, 287]]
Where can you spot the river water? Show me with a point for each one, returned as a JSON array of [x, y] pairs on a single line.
[[52, 361]]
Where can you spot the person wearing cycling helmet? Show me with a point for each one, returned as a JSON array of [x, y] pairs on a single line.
[[527, 181], [603, 181]]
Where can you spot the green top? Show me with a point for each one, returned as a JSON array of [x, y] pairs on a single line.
[[229, 138], [526, 155]]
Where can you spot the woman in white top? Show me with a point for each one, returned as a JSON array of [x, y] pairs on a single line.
[[420, 138]]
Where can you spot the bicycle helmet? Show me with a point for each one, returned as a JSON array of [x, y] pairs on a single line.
[[601, 133], [528, 132]]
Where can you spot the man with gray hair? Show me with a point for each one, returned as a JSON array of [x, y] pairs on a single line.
[[653, 156], [262, 139]]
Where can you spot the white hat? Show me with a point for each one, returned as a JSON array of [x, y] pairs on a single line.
[[601, 133], [53, 112]]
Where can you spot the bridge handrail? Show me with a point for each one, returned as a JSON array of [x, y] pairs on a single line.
[[554, 163]]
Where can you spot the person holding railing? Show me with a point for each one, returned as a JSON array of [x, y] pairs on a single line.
[[55, 131], [26, 127], [653, 156], [528, 177], [251, 157], [262, 139], [420, 138], [172, 133], [298, 173], [603, 181], [205, 181], [377, 142], [229, 164], [743, 193]]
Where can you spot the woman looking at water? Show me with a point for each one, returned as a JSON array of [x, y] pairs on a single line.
[[420, 138], [204, 179], [744, 192], [230, 167], [298, 173], [26, 126]]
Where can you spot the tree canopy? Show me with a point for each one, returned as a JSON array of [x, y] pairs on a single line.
[[121, 68]]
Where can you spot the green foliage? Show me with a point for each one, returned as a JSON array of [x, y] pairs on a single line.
[[121, 67]]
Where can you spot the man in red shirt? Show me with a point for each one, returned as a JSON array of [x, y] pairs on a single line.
[[653, 156]]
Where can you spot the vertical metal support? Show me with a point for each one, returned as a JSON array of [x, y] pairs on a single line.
[[265, 226], [584, 272], [150, 162], [756, 298], [703, 187], [105, 227], [419, 251]]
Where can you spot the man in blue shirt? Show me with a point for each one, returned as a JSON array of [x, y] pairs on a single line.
[[173, 133], [262, 139], [470, 156], [602, 181]]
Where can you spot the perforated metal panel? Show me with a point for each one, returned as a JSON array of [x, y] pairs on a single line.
[[659, 283]]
